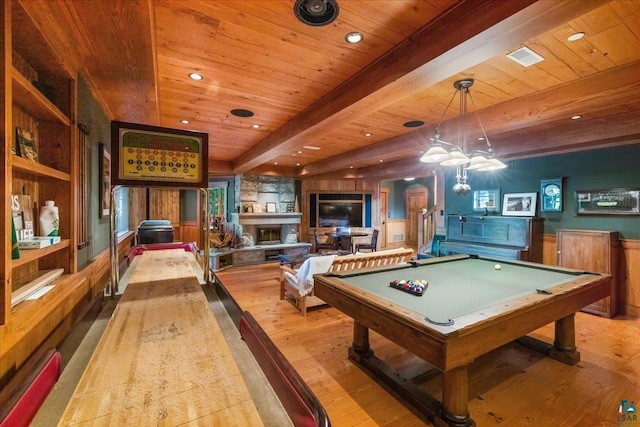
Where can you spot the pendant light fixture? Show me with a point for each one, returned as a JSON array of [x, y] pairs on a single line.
[[450, 154]]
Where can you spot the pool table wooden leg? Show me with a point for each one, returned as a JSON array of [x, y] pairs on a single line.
[[455, 398], [564, 345], [360, 348]]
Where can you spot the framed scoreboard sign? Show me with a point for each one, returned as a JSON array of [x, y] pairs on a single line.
[[144, 155]]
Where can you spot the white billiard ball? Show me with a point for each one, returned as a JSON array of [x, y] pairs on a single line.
[[497, 266]]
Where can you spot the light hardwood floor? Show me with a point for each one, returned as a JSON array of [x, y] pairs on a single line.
[[511, 386]]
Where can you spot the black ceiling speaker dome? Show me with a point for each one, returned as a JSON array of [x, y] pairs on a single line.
[[316, 12]]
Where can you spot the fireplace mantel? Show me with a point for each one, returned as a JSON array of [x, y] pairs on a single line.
[[267, 218]]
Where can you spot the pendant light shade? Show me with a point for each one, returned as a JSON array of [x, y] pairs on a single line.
[[457, 158], [435, 154], [478, 160]]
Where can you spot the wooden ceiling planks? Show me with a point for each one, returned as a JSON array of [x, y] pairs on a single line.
[[308, 87]]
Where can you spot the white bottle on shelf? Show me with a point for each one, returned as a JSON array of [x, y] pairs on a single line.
[[49, 220]]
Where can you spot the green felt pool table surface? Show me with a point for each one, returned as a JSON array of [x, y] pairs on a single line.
[[459, 286]]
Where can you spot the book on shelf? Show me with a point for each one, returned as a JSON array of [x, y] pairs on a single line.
[[22, 213], [26, 145], [38, 242]]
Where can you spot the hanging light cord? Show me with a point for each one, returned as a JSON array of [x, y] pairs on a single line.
[[437, 131], [475, 110]]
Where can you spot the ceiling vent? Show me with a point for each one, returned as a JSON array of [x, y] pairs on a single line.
[[316, 12], [525, 56]]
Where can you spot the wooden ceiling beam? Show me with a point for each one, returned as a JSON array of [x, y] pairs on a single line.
[[465, 35], [616, 87]]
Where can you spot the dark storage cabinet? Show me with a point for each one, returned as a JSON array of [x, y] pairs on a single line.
[[154, 231]]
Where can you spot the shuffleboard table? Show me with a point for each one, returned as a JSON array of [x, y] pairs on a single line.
[[471, 305]]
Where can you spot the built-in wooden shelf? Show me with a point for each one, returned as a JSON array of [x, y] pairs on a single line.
[[28, 314], [33, 101], [28, 255], [38, 169]]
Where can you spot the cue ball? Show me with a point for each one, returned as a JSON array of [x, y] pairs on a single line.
[[497, 267]]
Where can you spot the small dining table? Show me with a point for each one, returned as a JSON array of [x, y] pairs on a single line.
[[345, 238]]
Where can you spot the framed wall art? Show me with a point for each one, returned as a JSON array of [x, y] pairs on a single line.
[[486, 200], [551, 195], [618, 201], [157, 156], [519, 204], [105, 181]]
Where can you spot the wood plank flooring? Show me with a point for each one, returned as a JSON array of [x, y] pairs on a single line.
[[511, 386]]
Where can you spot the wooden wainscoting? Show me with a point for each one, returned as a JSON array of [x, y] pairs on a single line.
[[189, 232], [396, 233], [629, 277]]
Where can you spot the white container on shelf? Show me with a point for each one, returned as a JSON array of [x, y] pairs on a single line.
[[49, 220]]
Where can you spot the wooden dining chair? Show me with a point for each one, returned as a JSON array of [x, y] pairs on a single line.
[[369, 246], [329, 245]]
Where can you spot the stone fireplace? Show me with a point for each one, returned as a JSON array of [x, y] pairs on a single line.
[[268, 228]]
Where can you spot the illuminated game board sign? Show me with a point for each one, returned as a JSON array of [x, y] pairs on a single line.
[[150, 155]]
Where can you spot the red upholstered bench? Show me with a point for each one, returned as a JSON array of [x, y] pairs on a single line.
[[22, 408], [302, 406], [139, 249]]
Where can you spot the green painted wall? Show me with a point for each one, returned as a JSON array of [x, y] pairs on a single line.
[[91, 114], [397, 202], [606, 168]]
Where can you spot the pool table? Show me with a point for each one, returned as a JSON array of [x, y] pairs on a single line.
[[472, 305]]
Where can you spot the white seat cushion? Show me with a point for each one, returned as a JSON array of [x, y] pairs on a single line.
[[303, 280]]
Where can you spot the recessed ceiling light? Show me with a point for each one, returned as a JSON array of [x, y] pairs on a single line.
[[311, 147], [411, 178], [241, 112], [275, 163], [413, 124], [186, 122], [299, 151], [481, 138], [195, 76], [255, 126], [576, 36], [381, 160], [368, 134], [353, 37], [576, 117], [350, 167], [297, 164]]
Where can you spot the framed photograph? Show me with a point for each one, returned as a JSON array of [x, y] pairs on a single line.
[[271, 206], [551, 195], [617, 201], [105, 181], [519, 204], [26, 145], [256, 207], [486, 200]]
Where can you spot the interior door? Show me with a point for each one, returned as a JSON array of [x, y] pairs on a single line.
[[416, 201], [384, 214]]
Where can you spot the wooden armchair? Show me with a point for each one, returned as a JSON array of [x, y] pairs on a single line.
[[298, 284]]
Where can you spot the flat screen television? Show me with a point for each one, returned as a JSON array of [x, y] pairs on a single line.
[[340, 214]]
